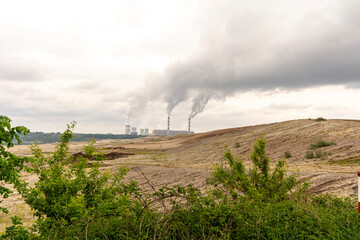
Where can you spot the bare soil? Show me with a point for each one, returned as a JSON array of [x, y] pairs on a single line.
[[188, 159]]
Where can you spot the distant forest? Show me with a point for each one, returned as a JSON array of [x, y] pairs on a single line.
[[41, 137]]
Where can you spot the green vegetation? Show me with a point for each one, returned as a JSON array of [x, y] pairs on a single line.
[[41, 137], [347, 161], [10, 165], [320, 119], [287, 154], [309, 155], [160, 156], [321, 144], [74, 201], [317, 154], [320, 154]]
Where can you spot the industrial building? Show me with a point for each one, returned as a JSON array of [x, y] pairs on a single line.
[[144, 131], [166, 132], [158, 132]]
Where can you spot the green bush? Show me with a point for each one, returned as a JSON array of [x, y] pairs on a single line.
[[10, 164], [309, 155], [320, 119], [72, 200], [259, 182], [321, 144], [287, 154], [320, 154], [317, 154]]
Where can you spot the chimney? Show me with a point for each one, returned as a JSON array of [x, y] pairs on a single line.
[[189, 125], [168, 127]]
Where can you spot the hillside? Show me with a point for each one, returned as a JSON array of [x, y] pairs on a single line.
[[335, 171], [185, 159]]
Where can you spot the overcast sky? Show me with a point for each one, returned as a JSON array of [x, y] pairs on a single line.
[[226, 63]]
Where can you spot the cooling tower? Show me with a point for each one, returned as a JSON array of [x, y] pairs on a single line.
[[127, 129]]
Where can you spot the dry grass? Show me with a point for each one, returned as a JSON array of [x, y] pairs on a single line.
[[19, 209]]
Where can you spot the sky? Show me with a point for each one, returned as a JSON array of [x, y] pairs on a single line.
[[225, 64]]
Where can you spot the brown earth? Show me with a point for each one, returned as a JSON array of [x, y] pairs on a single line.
[[185, 159]]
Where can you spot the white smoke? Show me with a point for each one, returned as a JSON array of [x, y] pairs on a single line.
[[199, 103]]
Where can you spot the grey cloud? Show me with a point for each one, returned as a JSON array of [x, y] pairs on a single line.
[[245, 54]]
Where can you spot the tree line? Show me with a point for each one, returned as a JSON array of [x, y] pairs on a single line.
[[41, 137]]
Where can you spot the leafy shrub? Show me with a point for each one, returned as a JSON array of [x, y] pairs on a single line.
[[287, 154], [320, 154], [70, 200], [10, 164], [321, 144], [259, 182], [309, 155], [320, 119], [317, 154]]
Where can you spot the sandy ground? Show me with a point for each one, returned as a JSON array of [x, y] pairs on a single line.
[[188, 159]]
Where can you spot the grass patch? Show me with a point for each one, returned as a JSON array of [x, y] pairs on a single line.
[[347, 161], [142, 153], [161, 156], [321, 144]]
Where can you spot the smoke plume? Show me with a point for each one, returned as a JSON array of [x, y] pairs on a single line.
[[244, 48], [199, 104]]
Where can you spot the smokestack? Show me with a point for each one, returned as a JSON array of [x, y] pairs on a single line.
[[168, 128], [189, 125]]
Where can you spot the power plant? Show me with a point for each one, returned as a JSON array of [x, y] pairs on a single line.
[[158, 132], [168, 132], [133, 131]]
